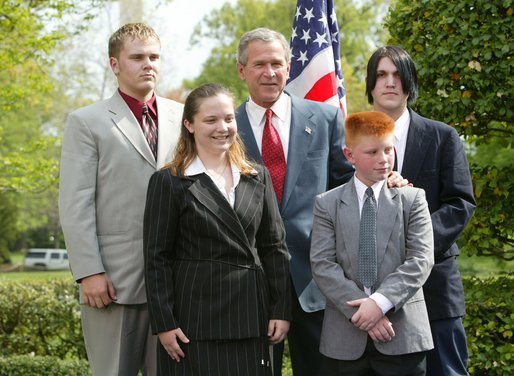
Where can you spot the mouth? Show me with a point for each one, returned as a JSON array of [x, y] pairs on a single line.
[[220, 137]]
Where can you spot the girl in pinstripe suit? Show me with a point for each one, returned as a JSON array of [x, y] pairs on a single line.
[[216, 264]]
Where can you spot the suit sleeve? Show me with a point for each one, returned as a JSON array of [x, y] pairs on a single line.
[[340, 170], [77, 192], [456, 200], [327, 272], [159, 231], [410, 276], [272, 249]]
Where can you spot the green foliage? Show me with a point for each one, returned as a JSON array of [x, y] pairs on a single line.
[[359, 25], [464, 55], [41, 318], [26, 365], [489, 325]]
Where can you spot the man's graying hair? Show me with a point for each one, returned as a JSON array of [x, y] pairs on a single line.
[[130, 31], [264, 35]]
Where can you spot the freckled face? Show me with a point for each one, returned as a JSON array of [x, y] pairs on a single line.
[[372, 157]]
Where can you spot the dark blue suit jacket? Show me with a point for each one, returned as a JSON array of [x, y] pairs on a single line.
[[315, 163], [435, 161]]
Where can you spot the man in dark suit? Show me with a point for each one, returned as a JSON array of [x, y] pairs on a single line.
[[431, 156], [310, 139]]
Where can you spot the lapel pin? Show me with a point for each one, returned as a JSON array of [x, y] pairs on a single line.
[[308, 130]]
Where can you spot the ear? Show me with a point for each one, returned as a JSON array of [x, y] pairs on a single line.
[[349, 155], [240, 71], [189, 126], [113, 62]]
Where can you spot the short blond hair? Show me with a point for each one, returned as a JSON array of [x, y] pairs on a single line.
[[371, 123], [130, 31]]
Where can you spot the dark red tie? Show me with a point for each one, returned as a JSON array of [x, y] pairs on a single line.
[[273, 155], [150, 130]]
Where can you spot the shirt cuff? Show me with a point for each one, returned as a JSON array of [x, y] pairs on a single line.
[[384, 303]]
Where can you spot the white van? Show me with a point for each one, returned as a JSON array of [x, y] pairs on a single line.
[[46, 259]]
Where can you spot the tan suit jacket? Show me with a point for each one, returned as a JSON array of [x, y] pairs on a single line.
[[106, 164], [405, 258]]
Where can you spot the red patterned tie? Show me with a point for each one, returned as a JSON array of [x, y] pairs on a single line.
[[273, 155], [150, 130]]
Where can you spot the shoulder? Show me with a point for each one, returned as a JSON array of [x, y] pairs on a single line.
[[301, 103], [170, 103], [432, 125], [91, 109], [335, 193], [410, 195]]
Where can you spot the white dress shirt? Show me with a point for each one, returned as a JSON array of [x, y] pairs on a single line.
[[281, 120], [401, 128], [197, 167]]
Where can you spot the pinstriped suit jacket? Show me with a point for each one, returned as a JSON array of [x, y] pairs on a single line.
[[214, 271]]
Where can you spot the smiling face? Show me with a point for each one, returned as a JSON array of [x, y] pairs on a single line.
[[372, 156], [214, 126], [388, 95], [265, 72], [137, 67]]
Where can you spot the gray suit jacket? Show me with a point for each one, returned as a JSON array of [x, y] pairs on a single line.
[[105, 167], [315, 163], [405, 258]]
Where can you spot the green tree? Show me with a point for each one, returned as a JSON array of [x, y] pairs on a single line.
[[359, 25], [30, 31], [464, 54]]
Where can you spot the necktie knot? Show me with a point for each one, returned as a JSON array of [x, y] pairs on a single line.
[[370, 193], [269, 114], [145, 109]]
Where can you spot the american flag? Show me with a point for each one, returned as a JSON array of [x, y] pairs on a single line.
[[316, 62]]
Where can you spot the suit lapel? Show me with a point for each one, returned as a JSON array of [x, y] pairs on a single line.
[[128, 125], [388, 211], [418, 141], [244, 129], [168, 131], [204, 190], [249, 191], [349, 210], [299, 144]]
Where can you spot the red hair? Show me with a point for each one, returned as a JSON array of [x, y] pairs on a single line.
[[371, 123]]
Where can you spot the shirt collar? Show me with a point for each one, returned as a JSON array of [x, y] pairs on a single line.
[[279, 108], [401, 125], [137, 107], [361, 188], [197, 167]]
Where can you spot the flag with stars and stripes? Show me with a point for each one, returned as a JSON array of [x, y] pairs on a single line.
[[316, 62]]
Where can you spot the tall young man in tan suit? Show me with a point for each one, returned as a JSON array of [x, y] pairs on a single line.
[[110, 150]]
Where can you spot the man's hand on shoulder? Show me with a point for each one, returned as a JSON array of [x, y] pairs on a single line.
[[98, 291], [396, 180]]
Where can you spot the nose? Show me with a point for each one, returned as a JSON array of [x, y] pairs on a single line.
[[268, 69], [390, 81]]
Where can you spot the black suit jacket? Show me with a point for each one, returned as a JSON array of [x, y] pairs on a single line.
[[214, 271], [435, 161]]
